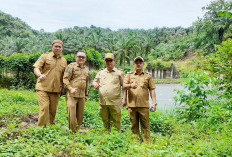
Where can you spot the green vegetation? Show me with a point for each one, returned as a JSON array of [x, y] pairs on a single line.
[[14, 27], [154, 45], [20, 67], [219, 64], [200, 125], [19, 135], [160, 43], [170, 81]]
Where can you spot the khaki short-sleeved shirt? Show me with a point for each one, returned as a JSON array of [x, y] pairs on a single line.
[[54, 68], [139, 97], [76, 77], [110, 86]]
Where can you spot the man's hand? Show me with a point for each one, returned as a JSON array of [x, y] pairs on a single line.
[[43, 76], [73, 90], [153, 107], [96, 85], [86, 97], [134, 85], [124, 103]]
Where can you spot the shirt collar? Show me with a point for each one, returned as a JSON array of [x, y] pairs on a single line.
[[113, 70], [53, 55], [78, 65], [137, 74]]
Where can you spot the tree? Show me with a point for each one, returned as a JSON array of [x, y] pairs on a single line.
[[220, 64], [221, 23]]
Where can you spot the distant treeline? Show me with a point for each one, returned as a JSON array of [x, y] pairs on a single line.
[[158, 43]]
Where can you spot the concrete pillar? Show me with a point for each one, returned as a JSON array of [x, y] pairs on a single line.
[[153, 73], [158, 73], [171, 71]]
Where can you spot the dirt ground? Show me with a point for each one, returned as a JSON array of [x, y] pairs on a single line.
[[25, 121]]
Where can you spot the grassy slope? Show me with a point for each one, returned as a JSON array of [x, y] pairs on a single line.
[[169, 137]]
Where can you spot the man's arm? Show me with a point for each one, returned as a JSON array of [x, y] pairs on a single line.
[[87, 87], [153, 98], [124, 91], [38, 73], [124, 100], [96, 81], [38, 66], [66, 79], [61, 80], [126, 83]]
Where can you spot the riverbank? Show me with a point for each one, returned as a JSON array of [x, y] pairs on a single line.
[[170, 81]]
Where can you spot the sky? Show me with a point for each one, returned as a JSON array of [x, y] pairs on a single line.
[[52, 15]]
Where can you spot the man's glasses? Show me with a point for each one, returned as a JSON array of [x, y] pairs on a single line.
[[81, 57], [109, 60]]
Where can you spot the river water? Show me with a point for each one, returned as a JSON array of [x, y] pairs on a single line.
[[165, 94]]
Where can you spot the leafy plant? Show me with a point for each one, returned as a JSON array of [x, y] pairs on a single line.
[[194, 101]]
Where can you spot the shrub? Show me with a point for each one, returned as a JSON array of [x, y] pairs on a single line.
[[20, 66], [195, 99]]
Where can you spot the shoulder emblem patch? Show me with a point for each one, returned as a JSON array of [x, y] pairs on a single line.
[[68, 69], [148, 73]]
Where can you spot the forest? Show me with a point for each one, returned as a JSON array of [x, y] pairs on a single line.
[[199, 125]]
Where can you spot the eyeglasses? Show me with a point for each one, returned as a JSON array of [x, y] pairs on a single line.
[[81, 57], [110, 60]]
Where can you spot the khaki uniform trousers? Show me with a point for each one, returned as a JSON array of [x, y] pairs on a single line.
[[111, 114], [75, 109], [140, 115], [47, 107]]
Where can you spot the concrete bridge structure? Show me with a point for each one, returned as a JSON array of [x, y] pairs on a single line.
[[164, 72]]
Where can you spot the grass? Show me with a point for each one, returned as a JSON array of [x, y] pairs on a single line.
[[169, 137], [170, 81]]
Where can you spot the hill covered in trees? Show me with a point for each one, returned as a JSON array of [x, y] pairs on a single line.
[[14, 27], [158, 43]]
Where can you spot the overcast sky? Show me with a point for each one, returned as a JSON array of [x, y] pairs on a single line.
[[52, 15]]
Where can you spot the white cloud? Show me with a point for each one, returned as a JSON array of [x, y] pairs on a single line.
[[52, 15]]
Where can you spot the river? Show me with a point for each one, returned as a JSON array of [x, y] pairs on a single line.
[[165, 94]]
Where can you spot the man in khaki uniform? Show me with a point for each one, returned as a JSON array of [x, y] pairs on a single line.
[[76, 79], [138, 83], [50, 69], [109, 82]]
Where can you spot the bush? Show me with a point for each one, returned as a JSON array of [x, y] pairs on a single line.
[[159, 123], [21, 67], [220, 65], [93, 94], [5, 82], [195, 99]]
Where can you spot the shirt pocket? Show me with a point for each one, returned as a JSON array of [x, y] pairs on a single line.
[[116, 80], [77, 73], [49, 64], [145, 82], [132, 80], [62, 68], [103, 80], [85, 75]]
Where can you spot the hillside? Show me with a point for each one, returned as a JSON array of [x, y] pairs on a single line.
[[153, 44], [14, 27]]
